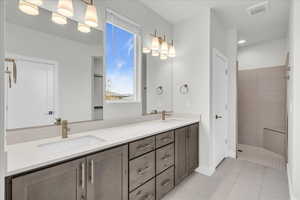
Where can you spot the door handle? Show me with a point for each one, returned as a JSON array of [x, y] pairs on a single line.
[[218, 117], [92, 171], [82, 175]]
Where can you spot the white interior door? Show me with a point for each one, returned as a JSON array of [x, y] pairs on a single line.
[[220, 110], [31, 101]]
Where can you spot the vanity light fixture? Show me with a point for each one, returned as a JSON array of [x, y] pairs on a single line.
[[91, 17], [155, 42], [65, 8], [160, 47], [59, 19], [172, 51], [83, 28], [28, 7], [164, 48]]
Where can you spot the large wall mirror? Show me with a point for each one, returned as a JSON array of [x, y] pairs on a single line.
[[58, 70]]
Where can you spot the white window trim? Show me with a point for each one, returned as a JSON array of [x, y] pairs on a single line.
[[137, 64]]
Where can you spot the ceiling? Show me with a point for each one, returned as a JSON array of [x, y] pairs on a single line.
[[232, 13]]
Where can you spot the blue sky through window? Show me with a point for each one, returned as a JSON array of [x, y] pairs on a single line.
[[120, 61]]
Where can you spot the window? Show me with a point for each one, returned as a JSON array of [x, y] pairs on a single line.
[[122, 64]]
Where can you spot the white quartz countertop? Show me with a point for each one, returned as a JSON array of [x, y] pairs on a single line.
[[28, 156]]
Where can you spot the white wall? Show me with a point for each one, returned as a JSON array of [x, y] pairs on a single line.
[[232, 38], [159, 74], [74, 66], [2, 160], [267, 54], [192, 67], [149, 21], [294, 102]]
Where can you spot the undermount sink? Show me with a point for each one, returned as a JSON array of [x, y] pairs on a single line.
[[69, 144]]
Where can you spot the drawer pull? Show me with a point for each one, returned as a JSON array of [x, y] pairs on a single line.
[[166, 139], [147, 197], [143, 170], [144, 146], [165, 157], [165, 183]]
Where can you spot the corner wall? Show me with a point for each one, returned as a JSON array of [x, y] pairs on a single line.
[[2, 160], [192, 67], [294, 102], [232, 39]]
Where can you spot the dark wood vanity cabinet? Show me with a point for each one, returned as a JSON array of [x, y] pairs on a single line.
[[186, 151], [62, 182], [102, 175], [107, 175], [145, 169]]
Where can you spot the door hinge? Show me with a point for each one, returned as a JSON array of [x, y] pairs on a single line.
[[226, 107], [226, 71], [226, 141]]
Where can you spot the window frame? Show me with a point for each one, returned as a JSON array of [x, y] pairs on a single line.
[[136, 68]]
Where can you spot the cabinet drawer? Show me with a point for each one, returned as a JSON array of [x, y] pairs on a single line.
[[164, 183], [140, 147], [141, 169], [145, 192], [164, 158], [164, 138]]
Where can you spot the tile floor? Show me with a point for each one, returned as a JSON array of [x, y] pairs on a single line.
[[240, 179]]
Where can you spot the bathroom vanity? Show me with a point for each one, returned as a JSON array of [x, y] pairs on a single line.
[[141, 167]]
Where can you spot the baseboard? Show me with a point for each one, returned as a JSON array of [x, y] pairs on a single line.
[[292, 196], [205, 170]]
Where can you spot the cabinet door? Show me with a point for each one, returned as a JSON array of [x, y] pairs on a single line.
[[62, 182], [181, 168], [108, 175], [193, 147]]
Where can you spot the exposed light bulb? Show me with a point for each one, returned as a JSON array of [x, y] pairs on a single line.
[[28, 8], [91, 17], [155, 53], [65, 8], [163, 57], [59, 19], [146, 50], [155, 44], [83, 28]]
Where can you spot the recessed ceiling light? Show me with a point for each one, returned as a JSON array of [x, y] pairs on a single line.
[[242, 41]]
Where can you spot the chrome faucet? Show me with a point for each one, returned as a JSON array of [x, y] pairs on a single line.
[[64, 129], [164, 114]]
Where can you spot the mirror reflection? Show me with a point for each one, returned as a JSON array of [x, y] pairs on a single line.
[[54, 69]]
